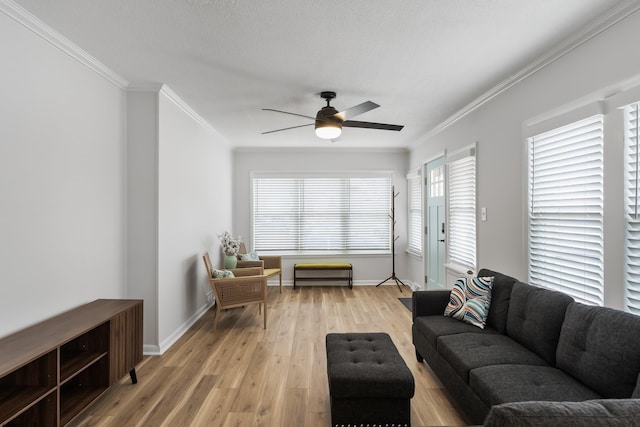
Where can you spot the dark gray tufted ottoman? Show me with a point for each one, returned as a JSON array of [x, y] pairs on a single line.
[[369, 383]]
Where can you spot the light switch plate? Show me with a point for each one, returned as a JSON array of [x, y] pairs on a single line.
[[483, 214]]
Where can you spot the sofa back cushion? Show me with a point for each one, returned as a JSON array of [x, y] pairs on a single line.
[[600, 347], [535, 318], [500, 296]]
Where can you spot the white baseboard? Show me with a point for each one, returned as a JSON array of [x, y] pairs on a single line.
[[151, 350], [154, 350]]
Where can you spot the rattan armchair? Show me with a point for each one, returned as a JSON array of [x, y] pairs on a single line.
[[271, 264], [249, 286]]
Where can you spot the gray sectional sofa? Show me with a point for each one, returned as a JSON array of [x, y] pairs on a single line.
[[539, 348]]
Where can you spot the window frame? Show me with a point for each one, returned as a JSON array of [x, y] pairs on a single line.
[[414, 213], [462, 226], [631, 129], [550, 241], [350, 233]]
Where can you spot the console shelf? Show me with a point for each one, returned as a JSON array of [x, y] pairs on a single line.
[[51, 371]]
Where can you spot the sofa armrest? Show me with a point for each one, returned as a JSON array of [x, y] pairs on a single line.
[[430, 303]]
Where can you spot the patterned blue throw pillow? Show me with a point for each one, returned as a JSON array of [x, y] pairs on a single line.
[[470, 300]]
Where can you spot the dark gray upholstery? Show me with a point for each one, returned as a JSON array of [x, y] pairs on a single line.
[[593, 413], [369, 382], [500, 297], [515, 383], [366, 365], [465, 352], [535, 318], [601, 347], [552, 349], [436, 326], [429, 303]]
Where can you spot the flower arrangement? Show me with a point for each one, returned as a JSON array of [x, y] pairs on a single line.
[[230, 244]]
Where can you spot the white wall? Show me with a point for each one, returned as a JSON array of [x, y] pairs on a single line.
[[105, 192], [369, 269], [179, 170], [62, 181], [194, 206], [597, 69], [142, 208]]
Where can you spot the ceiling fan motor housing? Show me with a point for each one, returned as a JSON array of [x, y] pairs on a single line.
[[327, 116], [328, 123]]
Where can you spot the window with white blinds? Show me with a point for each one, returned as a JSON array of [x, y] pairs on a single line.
[[632, 209], [322, 214], [461, 198], [414, 192], [566, 210]]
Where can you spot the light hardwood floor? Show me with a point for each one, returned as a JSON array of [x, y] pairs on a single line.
[[243, 375]]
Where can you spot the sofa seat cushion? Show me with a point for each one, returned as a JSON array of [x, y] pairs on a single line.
[[433, 327], [519, 383], [535, 318], [468, 351], [596, 413], [599, 346]]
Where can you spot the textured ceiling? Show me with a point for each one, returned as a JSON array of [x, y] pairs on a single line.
[[421, 60]]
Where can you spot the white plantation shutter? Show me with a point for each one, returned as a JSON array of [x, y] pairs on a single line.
[[414, 198], [566, 210], [632, 209], [321, 214], [275, 213], [461, 195]]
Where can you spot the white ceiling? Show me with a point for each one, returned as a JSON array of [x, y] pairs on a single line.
[[421, 60]]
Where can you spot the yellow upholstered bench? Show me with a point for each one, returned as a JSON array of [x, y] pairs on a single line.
[[323, 266]]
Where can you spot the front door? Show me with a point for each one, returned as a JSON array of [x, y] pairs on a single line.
[[435, 229]]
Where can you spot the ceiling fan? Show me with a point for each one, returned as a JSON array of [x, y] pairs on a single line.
[[329, 122]]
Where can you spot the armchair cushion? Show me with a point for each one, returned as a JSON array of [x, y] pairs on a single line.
[[248, 271]]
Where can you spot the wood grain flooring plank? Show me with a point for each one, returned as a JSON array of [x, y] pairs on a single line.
[[242, 374], [295, 407], [253, 379], [185, 414], [215, 408], [270, 411]]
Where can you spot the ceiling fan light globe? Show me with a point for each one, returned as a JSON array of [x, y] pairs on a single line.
[[328, 131]]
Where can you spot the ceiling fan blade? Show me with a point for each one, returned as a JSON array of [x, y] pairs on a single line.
[[370, 125], [292, 127], [286, 112], [358, 109]]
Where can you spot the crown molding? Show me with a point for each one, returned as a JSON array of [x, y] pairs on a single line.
[[597, 26], [39, 28], [144, 87], [320, 150], [178, 102]]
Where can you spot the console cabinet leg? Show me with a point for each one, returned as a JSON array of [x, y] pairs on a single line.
[[134, 377]]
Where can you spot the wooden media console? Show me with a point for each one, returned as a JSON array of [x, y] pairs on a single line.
[[50, 371]]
